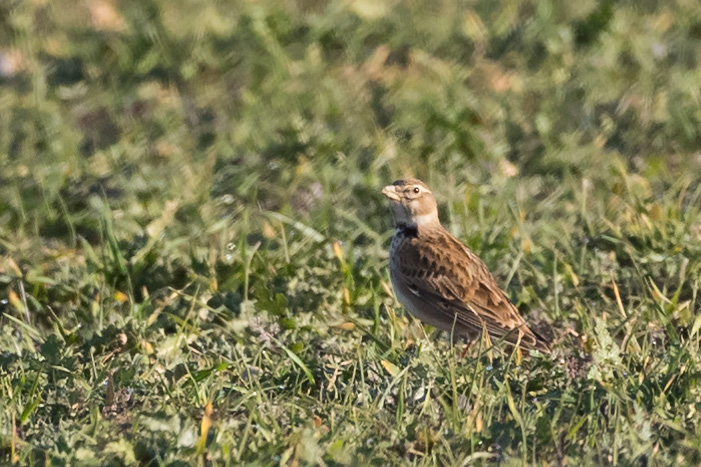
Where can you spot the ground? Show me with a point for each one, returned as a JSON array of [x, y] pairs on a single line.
[[193, 242]]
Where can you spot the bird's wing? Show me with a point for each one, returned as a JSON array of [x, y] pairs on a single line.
[[456, 283]]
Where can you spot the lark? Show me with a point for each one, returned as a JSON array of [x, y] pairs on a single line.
[[442, 282]]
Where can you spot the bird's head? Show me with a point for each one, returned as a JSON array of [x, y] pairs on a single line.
[[412, 203]]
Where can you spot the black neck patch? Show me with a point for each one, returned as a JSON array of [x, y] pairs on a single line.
[[407, 230]]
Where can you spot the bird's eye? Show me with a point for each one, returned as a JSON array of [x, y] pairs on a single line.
[[416, 189]]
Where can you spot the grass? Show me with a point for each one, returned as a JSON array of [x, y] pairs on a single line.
[[193, 244]]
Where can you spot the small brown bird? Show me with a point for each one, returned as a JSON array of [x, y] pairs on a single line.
[[440, 281]]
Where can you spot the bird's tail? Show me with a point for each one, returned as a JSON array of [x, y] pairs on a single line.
[[531, 340]]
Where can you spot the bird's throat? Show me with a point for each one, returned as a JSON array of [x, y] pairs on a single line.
[[407, 230]]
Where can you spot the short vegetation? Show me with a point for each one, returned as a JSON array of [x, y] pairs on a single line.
[[193, 242]]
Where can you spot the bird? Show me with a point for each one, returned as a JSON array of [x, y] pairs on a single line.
[[441, 281]]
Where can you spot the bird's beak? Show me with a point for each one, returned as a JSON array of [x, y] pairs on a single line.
[[390, 191]]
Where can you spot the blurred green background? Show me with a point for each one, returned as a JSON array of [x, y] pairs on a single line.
[[193, 242]]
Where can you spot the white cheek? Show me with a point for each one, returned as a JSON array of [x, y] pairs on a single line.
[[424, 219]]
